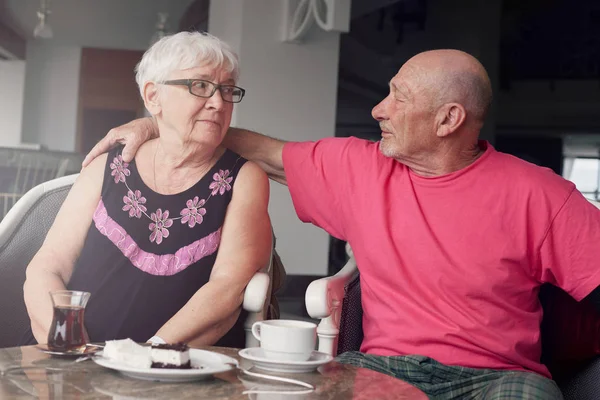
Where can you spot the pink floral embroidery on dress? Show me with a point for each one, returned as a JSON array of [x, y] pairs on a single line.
[[194, 212], [221, 182], [119, 169], [161, 222], [154, 264], [134, 203]]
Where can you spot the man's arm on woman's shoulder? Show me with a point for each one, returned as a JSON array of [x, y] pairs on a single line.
[[265, 151]]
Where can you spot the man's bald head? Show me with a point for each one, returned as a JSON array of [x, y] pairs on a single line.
[[453, 76], [435, 109]]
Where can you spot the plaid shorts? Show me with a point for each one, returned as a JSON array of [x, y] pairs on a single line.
[[444, 382]]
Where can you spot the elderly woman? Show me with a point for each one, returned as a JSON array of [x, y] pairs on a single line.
[[165, 244]]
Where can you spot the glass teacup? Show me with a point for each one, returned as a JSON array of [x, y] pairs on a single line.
[[67, 331]]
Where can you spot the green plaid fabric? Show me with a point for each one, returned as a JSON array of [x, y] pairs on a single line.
[[444, 382]]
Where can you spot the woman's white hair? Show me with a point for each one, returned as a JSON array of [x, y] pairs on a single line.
[[184, 50]]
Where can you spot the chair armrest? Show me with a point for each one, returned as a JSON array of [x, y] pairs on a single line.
[[255, 297], [326, 294], [255, 294], [324, 298]]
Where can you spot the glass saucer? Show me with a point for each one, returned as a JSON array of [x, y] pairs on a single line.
[[85, 350]]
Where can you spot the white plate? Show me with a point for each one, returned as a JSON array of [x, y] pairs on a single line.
[[204, 363], [257, 357]]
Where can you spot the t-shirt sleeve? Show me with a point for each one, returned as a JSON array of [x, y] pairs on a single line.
[[316, 174], [570, 252]]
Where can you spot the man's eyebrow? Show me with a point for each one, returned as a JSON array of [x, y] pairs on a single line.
[[402, 89]]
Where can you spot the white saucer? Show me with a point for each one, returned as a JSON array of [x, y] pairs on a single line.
[[204, 363], [257, 357]]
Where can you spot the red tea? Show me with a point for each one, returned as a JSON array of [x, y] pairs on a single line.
[[67, 331]]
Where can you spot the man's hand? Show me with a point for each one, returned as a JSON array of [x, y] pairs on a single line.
[[132, 135]]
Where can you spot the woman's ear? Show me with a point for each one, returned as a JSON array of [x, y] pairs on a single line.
[[151, 98]]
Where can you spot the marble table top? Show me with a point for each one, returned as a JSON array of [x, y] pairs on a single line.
[[58, 378]]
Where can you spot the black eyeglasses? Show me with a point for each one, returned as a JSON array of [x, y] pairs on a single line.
[[201, 88]]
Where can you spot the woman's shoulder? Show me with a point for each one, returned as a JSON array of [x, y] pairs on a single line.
[[114, 152], [95, 170], [251, 171], [250, 189], [232, 164], [90, 179], [251, 177]]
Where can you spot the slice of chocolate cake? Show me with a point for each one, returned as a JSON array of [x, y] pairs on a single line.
[[170, 356]]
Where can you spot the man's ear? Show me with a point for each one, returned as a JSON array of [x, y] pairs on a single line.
[[449, 118], [151, 98]]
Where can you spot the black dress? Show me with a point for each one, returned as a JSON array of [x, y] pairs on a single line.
[[146, 254]]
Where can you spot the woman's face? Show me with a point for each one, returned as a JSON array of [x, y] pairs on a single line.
[[193, 118]]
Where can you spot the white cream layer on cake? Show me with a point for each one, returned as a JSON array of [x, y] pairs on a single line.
[[128, 352], [169, 357]]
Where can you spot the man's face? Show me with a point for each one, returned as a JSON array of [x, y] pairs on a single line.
[[406, 116]]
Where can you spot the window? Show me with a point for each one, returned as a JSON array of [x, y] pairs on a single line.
[[584, 172]]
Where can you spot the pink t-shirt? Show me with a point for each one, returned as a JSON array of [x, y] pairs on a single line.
[[450, 266]]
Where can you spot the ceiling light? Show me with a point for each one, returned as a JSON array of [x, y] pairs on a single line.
[[43, 29]]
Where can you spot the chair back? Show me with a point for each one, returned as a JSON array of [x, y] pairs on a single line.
[[24, 169], [22, 232]]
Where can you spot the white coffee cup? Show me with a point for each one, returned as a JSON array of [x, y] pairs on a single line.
[[286, 340]]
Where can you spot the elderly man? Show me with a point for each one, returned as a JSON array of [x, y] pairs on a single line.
[[452, 238]]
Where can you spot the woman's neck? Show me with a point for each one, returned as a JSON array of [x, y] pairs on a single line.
[[177, 155], [178, 166]]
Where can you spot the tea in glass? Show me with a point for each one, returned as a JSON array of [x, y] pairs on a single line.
[[67, 331]]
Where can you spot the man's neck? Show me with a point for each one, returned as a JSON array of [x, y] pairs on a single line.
[[444, 161]]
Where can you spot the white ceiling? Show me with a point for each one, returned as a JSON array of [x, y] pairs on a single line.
[[122, 24]]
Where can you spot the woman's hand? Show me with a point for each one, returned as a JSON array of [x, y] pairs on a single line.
[[132, 135]]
